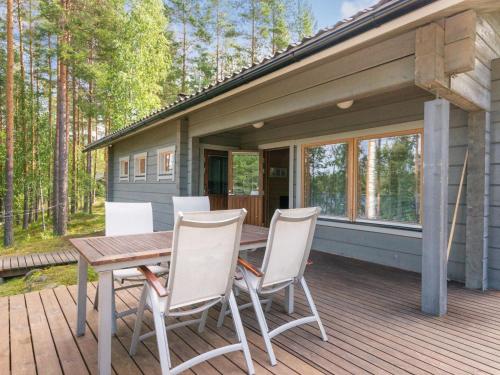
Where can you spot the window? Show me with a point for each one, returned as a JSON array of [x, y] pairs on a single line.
[[140, 161], [245, 173], [376, 178], [166, 163], [325, 175], [389, 178], [124, 168]]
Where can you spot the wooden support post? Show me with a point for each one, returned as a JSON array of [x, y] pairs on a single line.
[[195, 187], [435, 220], [181, 154], [476, 245]]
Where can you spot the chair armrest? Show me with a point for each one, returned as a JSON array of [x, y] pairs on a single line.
[[250, 267], [153, 280]]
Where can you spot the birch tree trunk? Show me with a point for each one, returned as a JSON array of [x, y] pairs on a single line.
[[9, 139]]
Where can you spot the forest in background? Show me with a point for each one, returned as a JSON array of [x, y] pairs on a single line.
[[72, 71]]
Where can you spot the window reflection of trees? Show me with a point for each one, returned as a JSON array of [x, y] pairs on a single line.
[[389, 178], [327, 176]]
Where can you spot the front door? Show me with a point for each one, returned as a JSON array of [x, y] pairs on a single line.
[[245, 189], [215, 184], [276, 181]]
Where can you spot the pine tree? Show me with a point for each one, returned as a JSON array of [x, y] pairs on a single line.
[[9, 164]]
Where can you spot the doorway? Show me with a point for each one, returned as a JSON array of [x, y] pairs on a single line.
[[276, 181], [216, 179]]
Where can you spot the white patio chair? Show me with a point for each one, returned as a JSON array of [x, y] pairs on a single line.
[[204, 255], [190, 204], [123, 219], [288, 247]]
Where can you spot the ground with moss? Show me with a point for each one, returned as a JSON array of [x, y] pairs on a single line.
[[35, 240]]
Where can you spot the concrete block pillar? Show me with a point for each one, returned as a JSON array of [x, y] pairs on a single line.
[[476, 244], [435, 207]]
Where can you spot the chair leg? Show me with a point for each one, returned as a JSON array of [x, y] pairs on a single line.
[[96, 298], [138, 321], [203, 321], [222, 314], [113, 309], [261, 319], [240, 331], [161, 338], [313, 308], [269, 304]]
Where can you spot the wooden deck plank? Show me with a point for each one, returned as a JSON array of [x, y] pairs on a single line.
[[29, 261], [46, 358], [371, 315], [86, 344], [122, 363], [454, 345], [5, 336], [69, 355], [22, 360]]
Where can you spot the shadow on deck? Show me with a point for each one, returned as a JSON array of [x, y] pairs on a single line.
[[371, 314]]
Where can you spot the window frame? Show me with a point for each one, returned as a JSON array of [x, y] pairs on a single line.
[[353, 176], [170, 176], [123, 177], [137, 157]]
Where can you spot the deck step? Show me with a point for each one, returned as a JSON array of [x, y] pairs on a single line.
[[17, 265]]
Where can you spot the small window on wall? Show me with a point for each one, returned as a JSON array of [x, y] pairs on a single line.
[[140, 162], [166, 163], [124, 168]]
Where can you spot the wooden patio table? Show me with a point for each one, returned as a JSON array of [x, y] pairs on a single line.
[[106, 254]]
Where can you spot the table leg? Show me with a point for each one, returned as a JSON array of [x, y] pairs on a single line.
[[82, 296], [289, 296], [104, 339]]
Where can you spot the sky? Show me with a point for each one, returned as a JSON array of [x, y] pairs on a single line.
[[328, 12]]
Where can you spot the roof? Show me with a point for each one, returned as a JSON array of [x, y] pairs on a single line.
[[381, 12]]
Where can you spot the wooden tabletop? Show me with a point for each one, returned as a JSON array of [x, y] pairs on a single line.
[[100, 251]]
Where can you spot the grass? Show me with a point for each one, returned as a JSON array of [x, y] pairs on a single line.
[[46, 278], [35, 240]]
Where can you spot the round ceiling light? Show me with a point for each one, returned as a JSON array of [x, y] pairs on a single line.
[[346, 104], [258, 125]]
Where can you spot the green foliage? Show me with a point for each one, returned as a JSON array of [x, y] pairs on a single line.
[[245, 173], [327, 178], [45, 278], [35, 240]]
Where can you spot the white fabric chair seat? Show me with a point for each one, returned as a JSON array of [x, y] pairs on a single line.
[[132, 273]]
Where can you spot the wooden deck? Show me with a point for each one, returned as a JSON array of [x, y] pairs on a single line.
[[17, 265], [371, 314]]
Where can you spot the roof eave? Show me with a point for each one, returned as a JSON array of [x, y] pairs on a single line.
[[380, 16]]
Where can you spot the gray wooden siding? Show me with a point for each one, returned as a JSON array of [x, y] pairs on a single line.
[[402, 251], [494, 224], [158, 192]]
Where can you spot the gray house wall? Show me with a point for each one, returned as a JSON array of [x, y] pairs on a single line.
[[158, 192], [494, 225], [402, 250]]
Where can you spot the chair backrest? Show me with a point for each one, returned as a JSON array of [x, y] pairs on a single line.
[[190, 204], [128, 218], [204, 254], [288, 246]]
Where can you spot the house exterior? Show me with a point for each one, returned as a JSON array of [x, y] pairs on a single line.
[[371, 120]]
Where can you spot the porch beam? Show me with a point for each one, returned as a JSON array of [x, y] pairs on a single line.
[[435, 215], [476, 244]]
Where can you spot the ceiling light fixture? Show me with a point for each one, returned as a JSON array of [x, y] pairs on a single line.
[[346, 104], [258, 125]]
